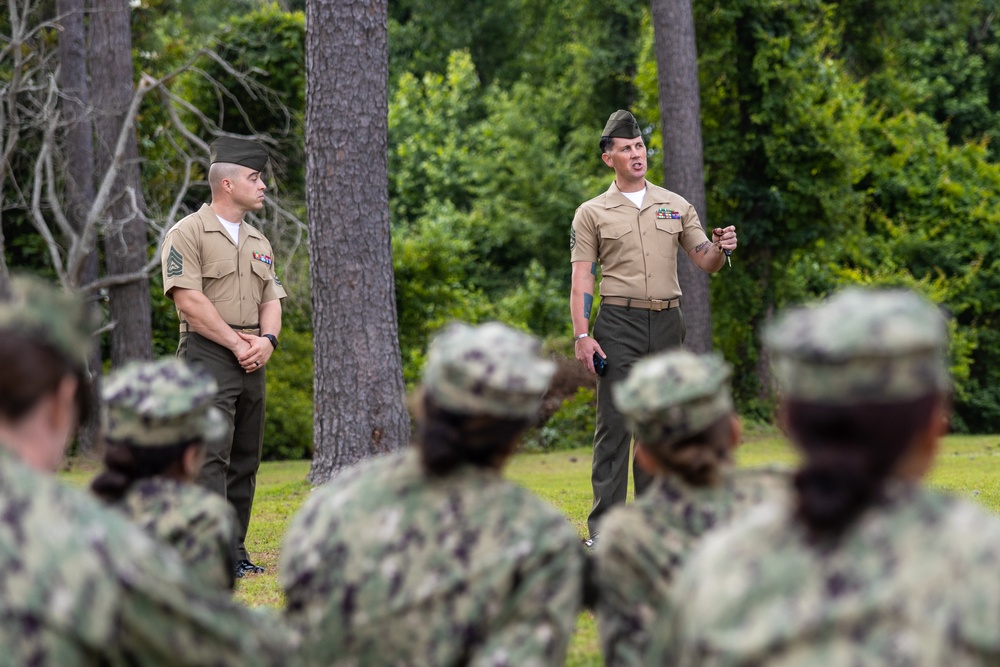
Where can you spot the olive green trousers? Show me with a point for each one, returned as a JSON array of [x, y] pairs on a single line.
[[626, 335], [231, 464]]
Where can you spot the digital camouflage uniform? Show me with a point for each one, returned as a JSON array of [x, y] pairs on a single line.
[[388, 565], [911, 582], [644, 545], [666, 398], [160, 404], [199, 524], [79, 584]]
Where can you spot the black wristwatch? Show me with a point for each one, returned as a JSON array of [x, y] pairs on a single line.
[[273, 339]]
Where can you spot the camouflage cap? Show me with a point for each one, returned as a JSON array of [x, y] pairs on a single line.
[[861, 345], [621, 124], [487, 369], [239, 151], [41, 311], [674, 395], [160, 403]]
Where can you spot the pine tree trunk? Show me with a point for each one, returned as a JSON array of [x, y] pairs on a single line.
[[79, 150], [125, 251], [359, 410], [680, 121]]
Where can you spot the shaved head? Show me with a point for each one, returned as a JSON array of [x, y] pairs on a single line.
[[222, 170]]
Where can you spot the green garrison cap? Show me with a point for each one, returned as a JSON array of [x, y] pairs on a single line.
[[674, 395], [861, 346], [161, 403], [488, 369], [44, 312], [239, 151], [621, 124]]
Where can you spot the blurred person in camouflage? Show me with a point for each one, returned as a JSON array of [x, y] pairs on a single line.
[[157, 417], [80, 584], [680, 408], [867, 566], [428, 556]]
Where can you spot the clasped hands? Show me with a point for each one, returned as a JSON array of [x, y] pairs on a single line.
[[257, 353]]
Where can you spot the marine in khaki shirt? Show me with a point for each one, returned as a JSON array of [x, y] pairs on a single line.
[[634, 230], [636, 248], [220, 273], [200, 255]]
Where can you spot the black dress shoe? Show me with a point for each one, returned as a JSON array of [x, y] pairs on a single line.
[[246, 567]]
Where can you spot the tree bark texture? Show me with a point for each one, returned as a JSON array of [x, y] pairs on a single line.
[[680, 122], [359, 391], [79, 172], [126, 238]]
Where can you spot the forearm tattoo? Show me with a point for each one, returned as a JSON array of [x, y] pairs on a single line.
[[593, 268], [588, 304], [703, 247]]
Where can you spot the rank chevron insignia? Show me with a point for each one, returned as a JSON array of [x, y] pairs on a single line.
[[175, 263]]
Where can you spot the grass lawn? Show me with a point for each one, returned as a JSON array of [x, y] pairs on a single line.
[[968, 466]]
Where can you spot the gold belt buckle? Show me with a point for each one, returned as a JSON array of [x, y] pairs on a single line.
[[247, 330], [656, 305]]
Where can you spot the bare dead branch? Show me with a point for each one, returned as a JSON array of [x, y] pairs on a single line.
[[29, 109], [36, 210]]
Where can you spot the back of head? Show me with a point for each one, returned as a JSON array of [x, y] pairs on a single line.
[[859, 374], [482, 386], [151, 413], [159, 404], [45, 335], [672, 402]]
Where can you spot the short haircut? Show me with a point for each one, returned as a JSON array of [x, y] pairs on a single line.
[[221, 170]]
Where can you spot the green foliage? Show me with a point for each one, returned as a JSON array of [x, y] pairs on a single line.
[[783, 154], [571, 426], [848, 141], [431, 285], [585, 49], [288, 426], [165, 32], [428, 155], [537, 302], [480, 216], [943, 249], [267, 48], [940, 58]]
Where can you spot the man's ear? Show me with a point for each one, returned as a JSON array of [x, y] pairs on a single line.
[[607, 160]]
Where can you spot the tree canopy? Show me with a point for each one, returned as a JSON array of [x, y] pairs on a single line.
[[848, 141]]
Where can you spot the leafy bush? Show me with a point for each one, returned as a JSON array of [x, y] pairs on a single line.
[[288, 425], [571, 426]]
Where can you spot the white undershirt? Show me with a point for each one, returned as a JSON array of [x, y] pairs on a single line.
[[233, 228], [636, 197]]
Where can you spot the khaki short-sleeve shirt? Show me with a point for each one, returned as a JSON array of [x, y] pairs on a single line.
[[199, 254], [637, 248]]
